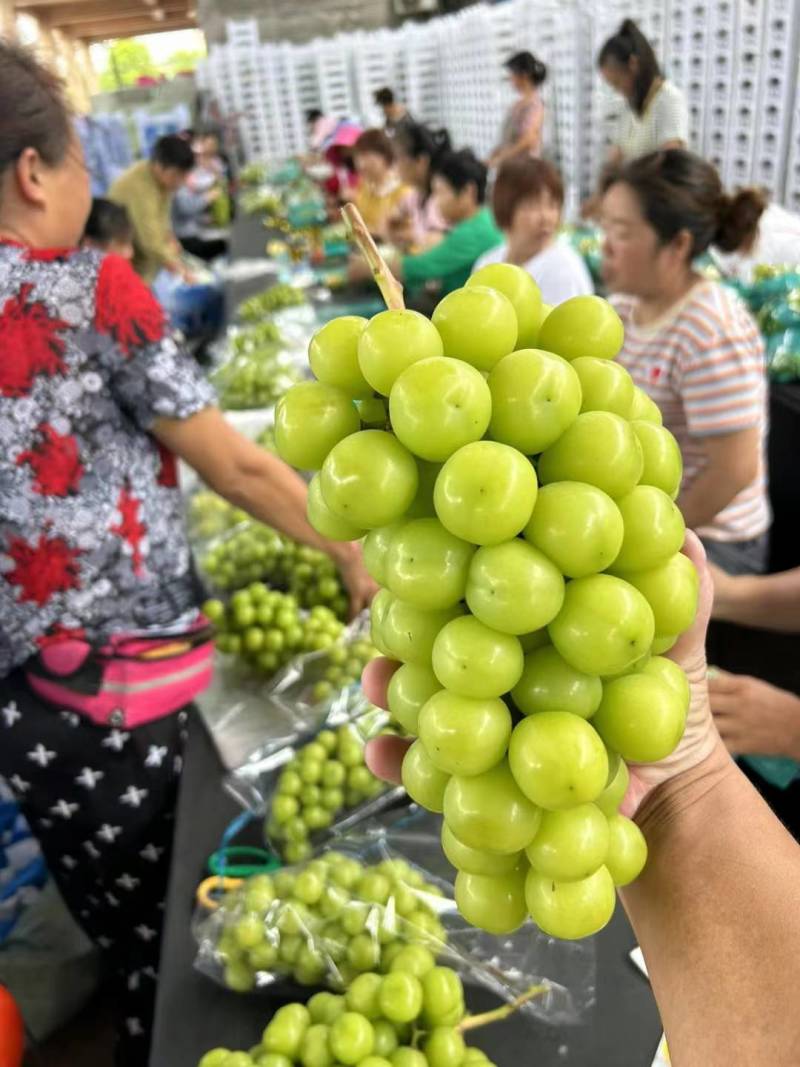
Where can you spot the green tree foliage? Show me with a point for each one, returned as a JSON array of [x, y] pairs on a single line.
[[127, 60]]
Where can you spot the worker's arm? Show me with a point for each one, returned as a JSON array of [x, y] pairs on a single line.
[[261, 484], [767, 602], [528, 141], [732, 462], [717, 914], [717, 908]]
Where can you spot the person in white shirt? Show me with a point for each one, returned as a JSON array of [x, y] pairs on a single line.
[[656, 115], [775, 242], [527, 200]]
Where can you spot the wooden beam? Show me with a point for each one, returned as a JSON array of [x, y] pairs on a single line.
[[73, 14], [27, 5], [131, 27]]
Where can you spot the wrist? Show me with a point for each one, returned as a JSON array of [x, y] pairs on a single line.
[[343, 553], [729, 597], [685, 801]]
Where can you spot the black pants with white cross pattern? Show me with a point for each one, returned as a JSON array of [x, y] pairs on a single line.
[[101, 802]]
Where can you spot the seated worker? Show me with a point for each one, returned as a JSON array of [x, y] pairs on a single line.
[[459, 188], [527, 199], [146, 190], [109, 229], [381, 196], [193, 204]]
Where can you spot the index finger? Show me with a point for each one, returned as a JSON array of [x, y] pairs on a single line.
[[375, 679]]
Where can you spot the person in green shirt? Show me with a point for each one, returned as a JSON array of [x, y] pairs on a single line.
[[146, 190], [458, 186]]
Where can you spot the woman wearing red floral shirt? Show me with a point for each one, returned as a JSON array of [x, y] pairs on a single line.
[[96, 400]]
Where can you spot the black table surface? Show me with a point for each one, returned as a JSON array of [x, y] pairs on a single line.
[[194, 1015]]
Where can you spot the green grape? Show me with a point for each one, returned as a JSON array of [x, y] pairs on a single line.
[[400, 997], [215, 1058], [362, 995], [385, 1038], [627, 850], [443, 995], [413, 959], [444, 1047], [351, 1038], [363, 952], [325, 1007], [570, 845], [408, 1057], [495, 903], [315, 1047]]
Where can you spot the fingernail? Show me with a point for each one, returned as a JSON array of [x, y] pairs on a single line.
[[712, 672]]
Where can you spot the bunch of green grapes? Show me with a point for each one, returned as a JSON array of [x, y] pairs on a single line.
[[266, 628], [414, 1016], [328, 776], [519, 516], [258, 336], [257, 553], [344, 665], [328, 921], [271, 300], [253, 379], [209, 515]]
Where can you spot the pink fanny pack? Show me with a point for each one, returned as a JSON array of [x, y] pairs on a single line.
[[130, 681]]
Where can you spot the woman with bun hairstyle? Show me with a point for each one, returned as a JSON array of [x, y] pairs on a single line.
[[691, 344], [521, 134], [773, 240], [419, 149]]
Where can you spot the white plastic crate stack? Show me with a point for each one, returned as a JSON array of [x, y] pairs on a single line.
[[376, 64], [722, 71], [333, 63], [792, 197], [246, 71], [419, 61], [778, 94], [295, 74], [303, 89], [278, 125], [749, 44], [472, 75], [565, 96]]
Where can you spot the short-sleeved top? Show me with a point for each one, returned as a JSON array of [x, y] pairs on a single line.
[[519, 119], [92, 538], [559, 271], [451, 261], [703, 364], [378, 206], [665, 118]]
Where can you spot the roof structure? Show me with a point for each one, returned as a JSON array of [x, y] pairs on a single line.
[[100, 20]]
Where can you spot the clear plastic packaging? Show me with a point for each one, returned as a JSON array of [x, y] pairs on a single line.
[[379, 889]]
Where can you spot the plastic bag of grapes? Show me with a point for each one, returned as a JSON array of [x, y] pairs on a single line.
[[355, 908], [319, 785]]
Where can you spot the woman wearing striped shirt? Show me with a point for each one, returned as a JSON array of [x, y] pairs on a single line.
[[691, 344]]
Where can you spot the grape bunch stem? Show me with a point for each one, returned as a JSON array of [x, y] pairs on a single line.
[[390, 287], [473, 1022]]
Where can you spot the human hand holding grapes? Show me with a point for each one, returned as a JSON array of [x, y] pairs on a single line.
[[385, 754], [360, 587]]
